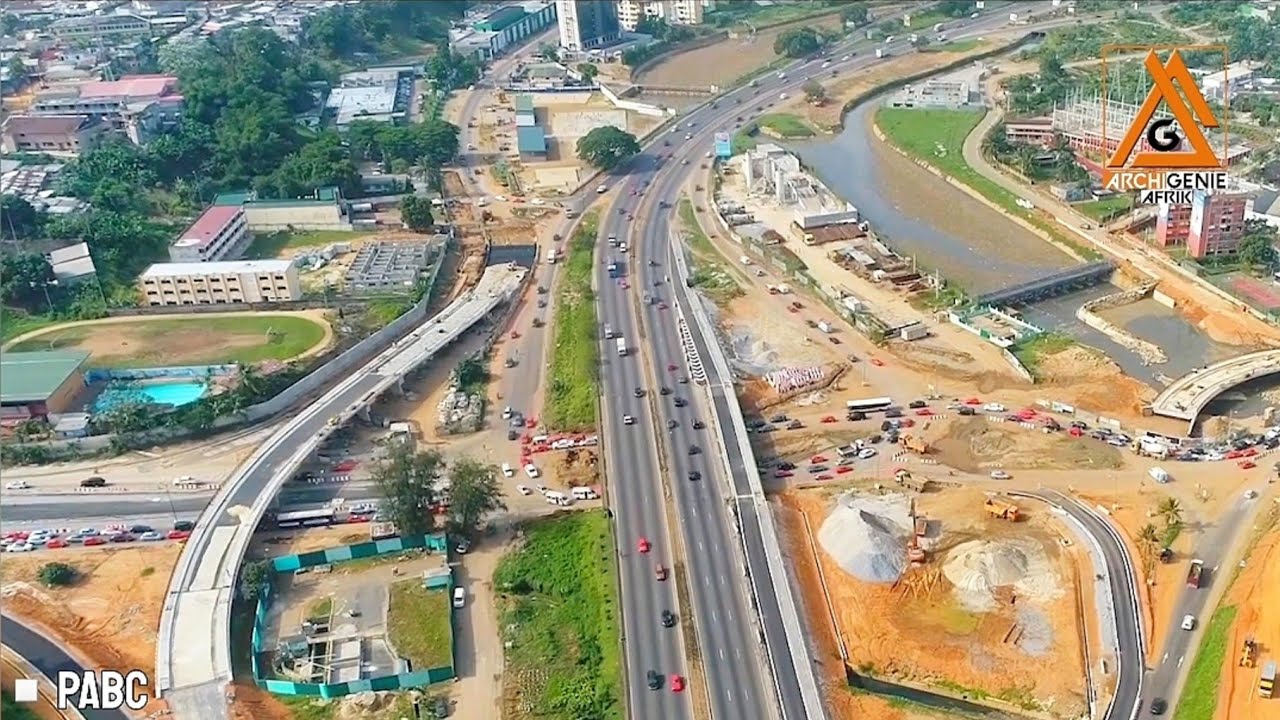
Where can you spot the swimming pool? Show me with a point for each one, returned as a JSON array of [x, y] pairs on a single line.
[[173, 393]]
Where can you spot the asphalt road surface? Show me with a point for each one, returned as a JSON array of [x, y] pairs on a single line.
[[49, 659], [1179, 645]]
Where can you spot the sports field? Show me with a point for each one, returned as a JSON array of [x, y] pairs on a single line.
[[186, 340]]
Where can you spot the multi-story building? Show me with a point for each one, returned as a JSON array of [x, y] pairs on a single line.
[[1217, 223], [1173, 224], [673, 12], [65, 135], [491, 33], [221, 231], [137, 106], [220, 283], [587, 24], [1029, 131], [325, 210], [101, 27]]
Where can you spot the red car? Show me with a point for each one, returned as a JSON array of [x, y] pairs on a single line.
[[677, 683], [56, 543], [823, 477], [173, 535], [924, 412], [95, 540], [877, 362], [818, 459], [662, 306], [973, 401], [1248, 464], [843, 469], [671, 367], [643, 545], [829, 419], [625, 285]]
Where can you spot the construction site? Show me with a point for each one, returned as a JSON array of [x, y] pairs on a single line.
[[950, 590]]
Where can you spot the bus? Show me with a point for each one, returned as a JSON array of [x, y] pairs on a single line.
[[309, 518], [870, 404]]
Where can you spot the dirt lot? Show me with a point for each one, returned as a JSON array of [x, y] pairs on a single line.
[[1256, 595], [977, 445], [1023, 647], [111, 614], [723, 61]]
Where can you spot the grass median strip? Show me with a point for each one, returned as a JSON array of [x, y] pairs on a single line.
[[937, 137], [559, 613], [710, 275], [575, 352], [1200, 696]]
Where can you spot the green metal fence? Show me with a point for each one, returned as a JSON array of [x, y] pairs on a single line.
[[437, 543]]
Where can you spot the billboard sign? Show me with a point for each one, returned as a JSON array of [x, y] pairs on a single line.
[[1167, 157], [724, 145]]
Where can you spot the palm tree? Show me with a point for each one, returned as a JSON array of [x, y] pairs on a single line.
[[1148, 541], [1171, 510]]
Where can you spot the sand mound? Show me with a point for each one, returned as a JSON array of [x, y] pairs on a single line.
[[867, 536], [978, 567]]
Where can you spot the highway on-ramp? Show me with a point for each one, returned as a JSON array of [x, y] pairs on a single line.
[[49, 659]]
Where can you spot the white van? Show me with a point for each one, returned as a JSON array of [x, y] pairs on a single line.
[[1159, 475], [584, 493], [556, 498], [507, 471], [532, 471], [459, 597]]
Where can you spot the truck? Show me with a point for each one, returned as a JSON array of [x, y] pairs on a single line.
[[622, 347], [825, 327], [937, 27], [880, 52], [1267, 681], [1001, 509], [1195, 573], [363, 207]]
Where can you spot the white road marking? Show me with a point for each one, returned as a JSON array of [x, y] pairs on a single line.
[[1180, 659], [1164, 659]]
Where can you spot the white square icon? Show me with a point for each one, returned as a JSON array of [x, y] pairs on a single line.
[[26, 690]]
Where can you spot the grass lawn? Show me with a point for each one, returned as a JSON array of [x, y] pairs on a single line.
[[270, 245], [420, 624], [193, 340], [954, 46], [575, 354], [1200, 696], [560, 620], [1030, 352], [1107, 208], [786, 125], [709, 273], [17, 323], [937, 137]]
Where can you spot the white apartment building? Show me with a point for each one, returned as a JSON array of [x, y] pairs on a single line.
[[220, 283], [220, 232], [674, 12]]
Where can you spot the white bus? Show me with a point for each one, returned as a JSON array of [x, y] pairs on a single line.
[[622, 347], [870, 404]]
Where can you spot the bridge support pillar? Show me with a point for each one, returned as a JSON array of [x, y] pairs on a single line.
[[366, 414], [400, 386]]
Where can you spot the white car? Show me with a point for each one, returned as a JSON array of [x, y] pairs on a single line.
[[543, 489], [20, 547], [1000, 475], [782, 76], [506, 412], [628, 420], [602, 189], [783, 96], [622, 247], [531, 470], [17, 485], [867, 453], [993, 407], [39, 540], [524, 490], [1188, 621]]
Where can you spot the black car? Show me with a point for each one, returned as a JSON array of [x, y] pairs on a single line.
[[639, 392], [684, 380], [655, 680], [785, 465], [668, 618], [122, 538], [893, 413], [681, 402], [672, 424], [513, 434], [966, 410], [184, 525], [698, 424], [780, 417], [886, 425], [1158, 706], [141, 529], [94, 482], [756, 423], [665, 390], [857, 415], [694, 475], [694, 449], [916, 404]]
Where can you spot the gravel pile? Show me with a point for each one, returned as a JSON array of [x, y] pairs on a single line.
[[752, 354], [978, 567], [867, 536]]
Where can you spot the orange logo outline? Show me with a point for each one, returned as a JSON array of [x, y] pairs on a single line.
[[1202, 155]]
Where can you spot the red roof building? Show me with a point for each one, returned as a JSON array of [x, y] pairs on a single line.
[[220, 233]]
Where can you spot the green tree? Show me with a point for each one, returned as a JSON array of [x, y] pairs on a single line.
[[813, 91], [548, 52], [323, 162], [18, 219], [797, 42], [254, 576], [22, 280], [474, 492], [1258, 246], [436, 141], [606, 147], [588, 71], [406, 479], [1170, 509], [855, 14], [415, 212], [448, 70], [472, 372], [57, 574], [956, 8]]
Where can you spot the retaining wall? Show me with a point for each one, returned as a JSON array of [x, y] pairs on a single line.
[[1017, 365], [1148, 351], [632, 105]]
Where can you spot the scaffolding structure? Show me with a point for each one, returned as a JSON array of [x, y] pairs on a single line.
[[1079, 119]]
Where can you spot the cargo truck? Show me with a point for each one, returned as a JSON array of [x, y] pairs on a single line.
[[1267, 681], [1195, 573]]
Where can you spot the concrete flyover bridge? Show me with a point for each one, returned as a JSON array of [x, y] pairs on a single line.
[[193, 650], [1187, 396], [1059, 283]]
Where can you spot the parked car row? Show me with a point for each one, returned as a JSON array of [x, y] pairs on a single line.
[[19, 541]]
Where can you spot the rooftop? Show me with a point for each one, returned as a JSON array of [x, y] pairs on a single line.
[[45, 124], [501, 19], [35, 376], [353, 103], [532, 139], [206, 227], [130, 86], [230, 267], [524, 104], [324, 196]]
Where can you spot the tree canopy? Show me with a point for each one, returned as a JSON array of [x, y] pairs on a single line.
[[406, 479], [374, 25], [1257, 247], [415, 212], [474, 492], [797, 42], [606, 147]]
